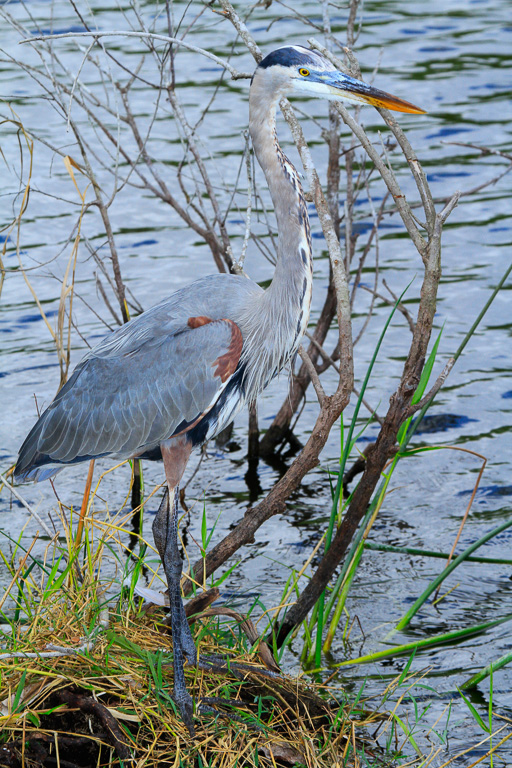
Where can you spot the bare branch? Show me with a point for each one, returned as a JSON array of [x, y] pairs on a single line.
[[242, 30], [235, 74], [315, 380], [483, 150], [389, 179]]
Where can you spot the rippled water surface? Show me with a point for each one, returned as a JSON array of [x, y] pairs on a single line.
[[453, 58]]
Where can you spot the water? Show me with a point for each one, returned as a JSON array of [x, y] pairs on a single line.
[[454, 59]]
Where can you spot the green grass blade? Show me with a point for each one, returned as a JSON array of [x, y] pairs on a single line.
[[319, 630], [420, 389], [374, 545], [404, 621], [406, 669], [487, 671], [204, 529], [19, 691], [224, 576], [21, 592], [491, 697], [54, 584], [351, 554], [474, 712], [461, 347], [428, 642], [408, 733], [482, 312], [354, 563]]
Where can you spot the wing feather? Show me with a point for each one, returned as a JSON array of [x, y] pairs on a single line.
[[133, 391]]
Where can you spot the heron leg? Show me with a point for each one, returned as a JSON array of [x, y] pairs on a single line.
[[165, 532]]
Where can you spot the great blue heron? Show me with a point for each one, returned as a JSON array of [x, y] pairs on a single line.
[[175, 376]]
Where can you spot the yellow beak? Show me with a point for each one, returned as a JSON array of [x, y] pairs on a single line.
[[345, 87]]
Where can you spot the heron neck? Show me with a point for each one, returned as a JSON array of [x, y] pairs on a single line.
[[291, 284]]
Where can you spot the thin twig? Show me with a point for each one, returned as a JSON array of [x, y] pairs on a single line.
[[235, 74], [483, 150], [315, 379], [27, 506], [50, 651], [247, 234], [469, 504], [433, 390]]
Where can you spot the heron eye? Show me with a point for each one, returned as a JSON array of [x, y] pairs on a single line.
[[303, 72]]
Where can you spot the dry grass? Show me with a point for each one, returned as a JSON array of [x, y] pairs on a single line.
[[109, 700]]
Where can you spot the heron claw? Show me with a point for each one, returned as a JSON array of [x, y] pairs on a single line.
[[185, 705]]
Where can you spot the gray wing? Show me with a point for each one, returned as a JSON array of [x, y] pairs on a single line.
[[142, 384]]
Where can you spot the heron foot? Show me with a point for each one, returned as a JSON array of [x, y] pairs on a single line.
[[183, 645], [185, 705], [227, 663], [209, 705]]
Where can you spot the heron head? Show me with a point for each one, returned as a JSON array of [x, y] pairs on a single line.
[[294, 69]]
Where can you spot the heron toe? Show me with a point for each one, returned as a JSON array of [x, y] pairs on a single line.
[[185, 705]]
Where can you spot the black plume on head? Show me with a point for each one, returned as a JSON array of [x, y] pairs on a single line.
[[290, 56]]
